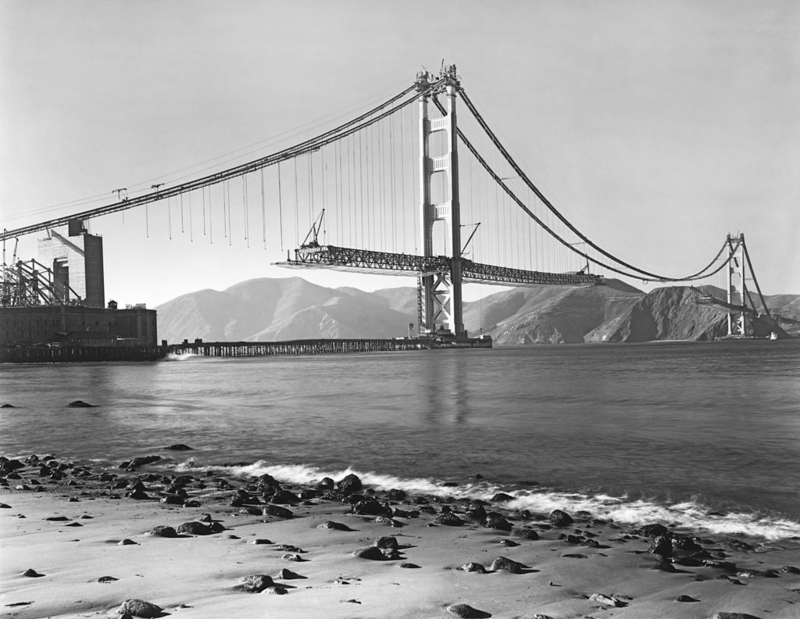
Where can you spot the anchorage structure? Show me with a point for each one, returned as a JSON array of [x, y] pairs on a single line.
[[439, 277]]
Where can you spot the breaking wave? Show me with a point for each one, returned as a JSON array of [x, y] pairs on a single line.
[[685, 515]]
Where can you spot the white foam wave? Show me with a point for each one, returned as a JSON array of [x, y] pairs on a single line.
[[689, 515], [181, 357]]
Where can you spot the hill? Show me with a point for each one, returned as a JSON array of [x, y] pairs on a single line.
[[267, 309], [291, 308]]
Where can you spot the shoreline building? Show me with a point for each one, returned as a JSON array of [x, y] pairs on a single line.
[[59, 299]]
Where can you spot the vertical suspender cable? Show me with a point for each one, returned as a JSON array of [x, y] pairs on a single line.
[[263, 212], [280, 204], [203, 195], [364, 244], [391, 183], [403, 178], [191, 226], [296, 206], [230, 221], [244, 208]]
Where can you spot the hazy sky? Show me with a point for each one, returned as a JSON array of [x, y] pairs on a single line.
[[656, 126]]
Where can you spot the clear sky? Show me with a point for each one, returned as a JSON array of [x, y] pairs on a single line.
[[657, 126]]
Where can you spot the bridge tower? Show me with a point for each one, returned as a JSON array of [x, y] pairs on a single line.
[[439, 294], [737, 290]]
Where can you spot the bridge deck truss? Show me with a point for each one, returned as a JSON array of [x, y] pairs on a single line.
[[366, 261]]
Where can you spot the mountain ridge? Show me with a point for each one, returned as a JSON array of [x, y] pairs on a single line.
[[274, 309]]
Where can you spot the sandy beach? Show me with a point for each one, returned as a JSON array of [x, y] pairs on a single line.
[[80, 541]]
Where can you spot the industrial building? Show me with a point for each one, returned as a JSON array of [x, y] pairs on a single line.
[[58, 301]]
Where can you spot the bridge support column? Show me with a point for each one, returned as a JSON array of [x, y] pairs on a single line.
[[737, 290], [441, 305]]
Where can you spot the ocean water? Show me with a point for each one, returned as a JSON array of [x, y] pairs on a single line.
[[702, 435]]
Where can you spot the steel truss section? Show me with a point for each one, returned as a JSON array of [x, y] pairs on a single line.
[[31, 283], [362, 260], [491, 274]]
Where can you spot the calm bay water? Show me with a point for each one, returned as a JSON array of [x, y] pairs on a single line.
[[698, 434]]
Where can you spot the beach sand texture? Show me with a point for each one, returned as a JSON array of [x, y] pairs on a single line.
[[80, 540]]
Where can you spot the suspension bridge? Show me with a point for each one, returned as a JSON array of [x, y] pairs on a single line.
[[408, 187]]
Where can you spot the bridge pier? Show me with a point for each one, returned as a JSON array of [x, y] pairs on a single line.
[[440, 297]]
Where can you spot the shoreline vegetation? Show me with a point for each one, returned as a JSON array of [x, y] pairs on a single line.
[[80, 539]]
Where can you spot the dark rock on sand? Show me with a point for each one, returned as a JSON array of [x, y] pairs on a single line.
[[31, 573], [162, 531], [326, 483], [475, 511], [137, 492], [349, 484], [497, 521], [386, 541], [284, 497], [126, 542], [504, 564], [663, 565], [194, 528], [285, 574], [607, 600], [448, 519], [525, 533], [9, 466], [255, 583], [179, 447], [334, 526], [267, 483], [465, 611], [684, 543], [662, 545], [408, 565], [79, 404], [733, 616], [8, 406], [370, 552], [560, 518], [139, 608], [473, 567], [172, 499], [370, 506], [686, 598], [277, 511], [105, 579], [396, 495]]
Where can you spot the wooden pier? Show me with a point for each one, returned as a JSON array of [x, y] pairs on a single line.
[[68, 354], [64, 354], [292, 347]]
